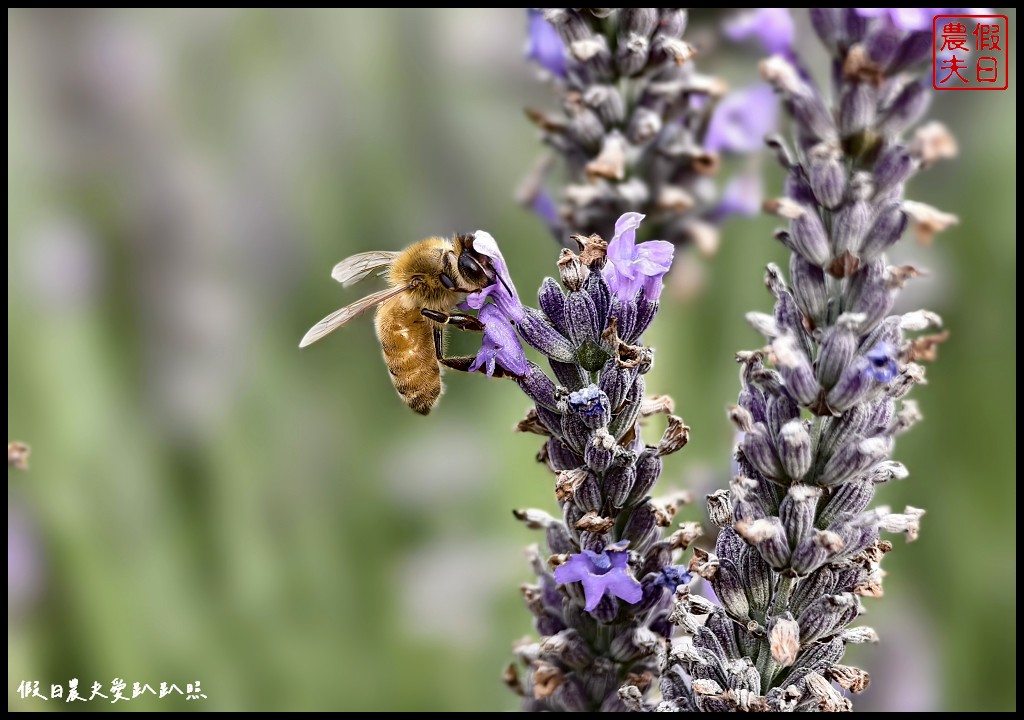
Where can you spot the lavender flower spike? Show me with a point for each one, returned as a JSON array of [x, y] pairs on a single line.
[[630, 129], [822, 402], [603, 594]]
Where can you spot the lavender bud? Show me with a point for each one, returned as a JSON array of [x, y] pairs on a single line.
[[572, 270], [906, 109], [644, 126], [639, 21], [597, 288], [600, 451], [853, 385], [826, 615], [560, 456], [852, 25], [886, 230], [577, 431], [645, 312], [853, 459], [648, 469], [567, 647], [758, 450], [570, 376], [728, 585], [837, 349], [539, 333], [673, 22], [797, 512], [795, 369], [808, 285], [631, 54], [591, 405], [795, 450], [607, 102], [571, 26], [893, 168], [585, 129], [569, 697], [768, 536], [550, 419], [552, 301], [825, 174], [809, 237], [641, 529], [601, 678], [789, 318], [854, 218], [538, 387], [558, 539], [753, 406], [759, 580], [626, 417], [633, 643], [581, 317], [857, 108], [616, 380], [850, 498], [827, 23], [587, 495], [813, 119], [618, 482], [722, 628]]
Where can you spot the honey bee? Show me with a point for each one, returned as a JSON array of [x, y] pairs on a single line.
[[425, 283]]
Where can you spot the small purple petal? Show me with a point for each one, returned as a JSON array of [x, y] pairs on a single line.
[[543, 45], [500, 346], [601, 574], [772, 27], [544, 205], [883, 366], [740, 122]]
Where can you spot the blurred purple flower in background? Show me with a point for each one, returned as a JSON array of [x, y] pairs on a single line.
[[603, 573], [543, 45], [772, 27], [740, 122], [741, 197], [24, 564], [630, 266]]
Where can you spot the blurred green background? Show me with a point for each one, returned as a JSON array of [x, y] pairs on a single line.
[[205, 502]]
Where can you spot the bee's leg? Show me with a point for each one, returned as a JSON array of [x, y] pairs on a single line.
[[457, 320], [461, 363]]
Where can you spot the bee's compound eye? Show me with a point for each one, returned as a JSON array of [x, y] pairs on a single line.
[[447, 281], [469, 267]]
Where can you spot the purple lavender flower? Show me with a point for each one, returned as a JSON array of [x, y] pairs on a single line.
[[632, 267], [672, 576], [883, 362], [772, 27], [543, 45], [502, 293], [500, 346], [603, 573], [740, 122]]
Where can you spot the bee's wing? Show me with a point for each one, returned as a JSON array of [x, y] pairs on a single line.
[[353, 269], [338, 318]]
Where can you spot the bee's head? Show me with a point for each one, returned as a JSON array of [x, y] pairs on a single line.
[[475, 268]]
